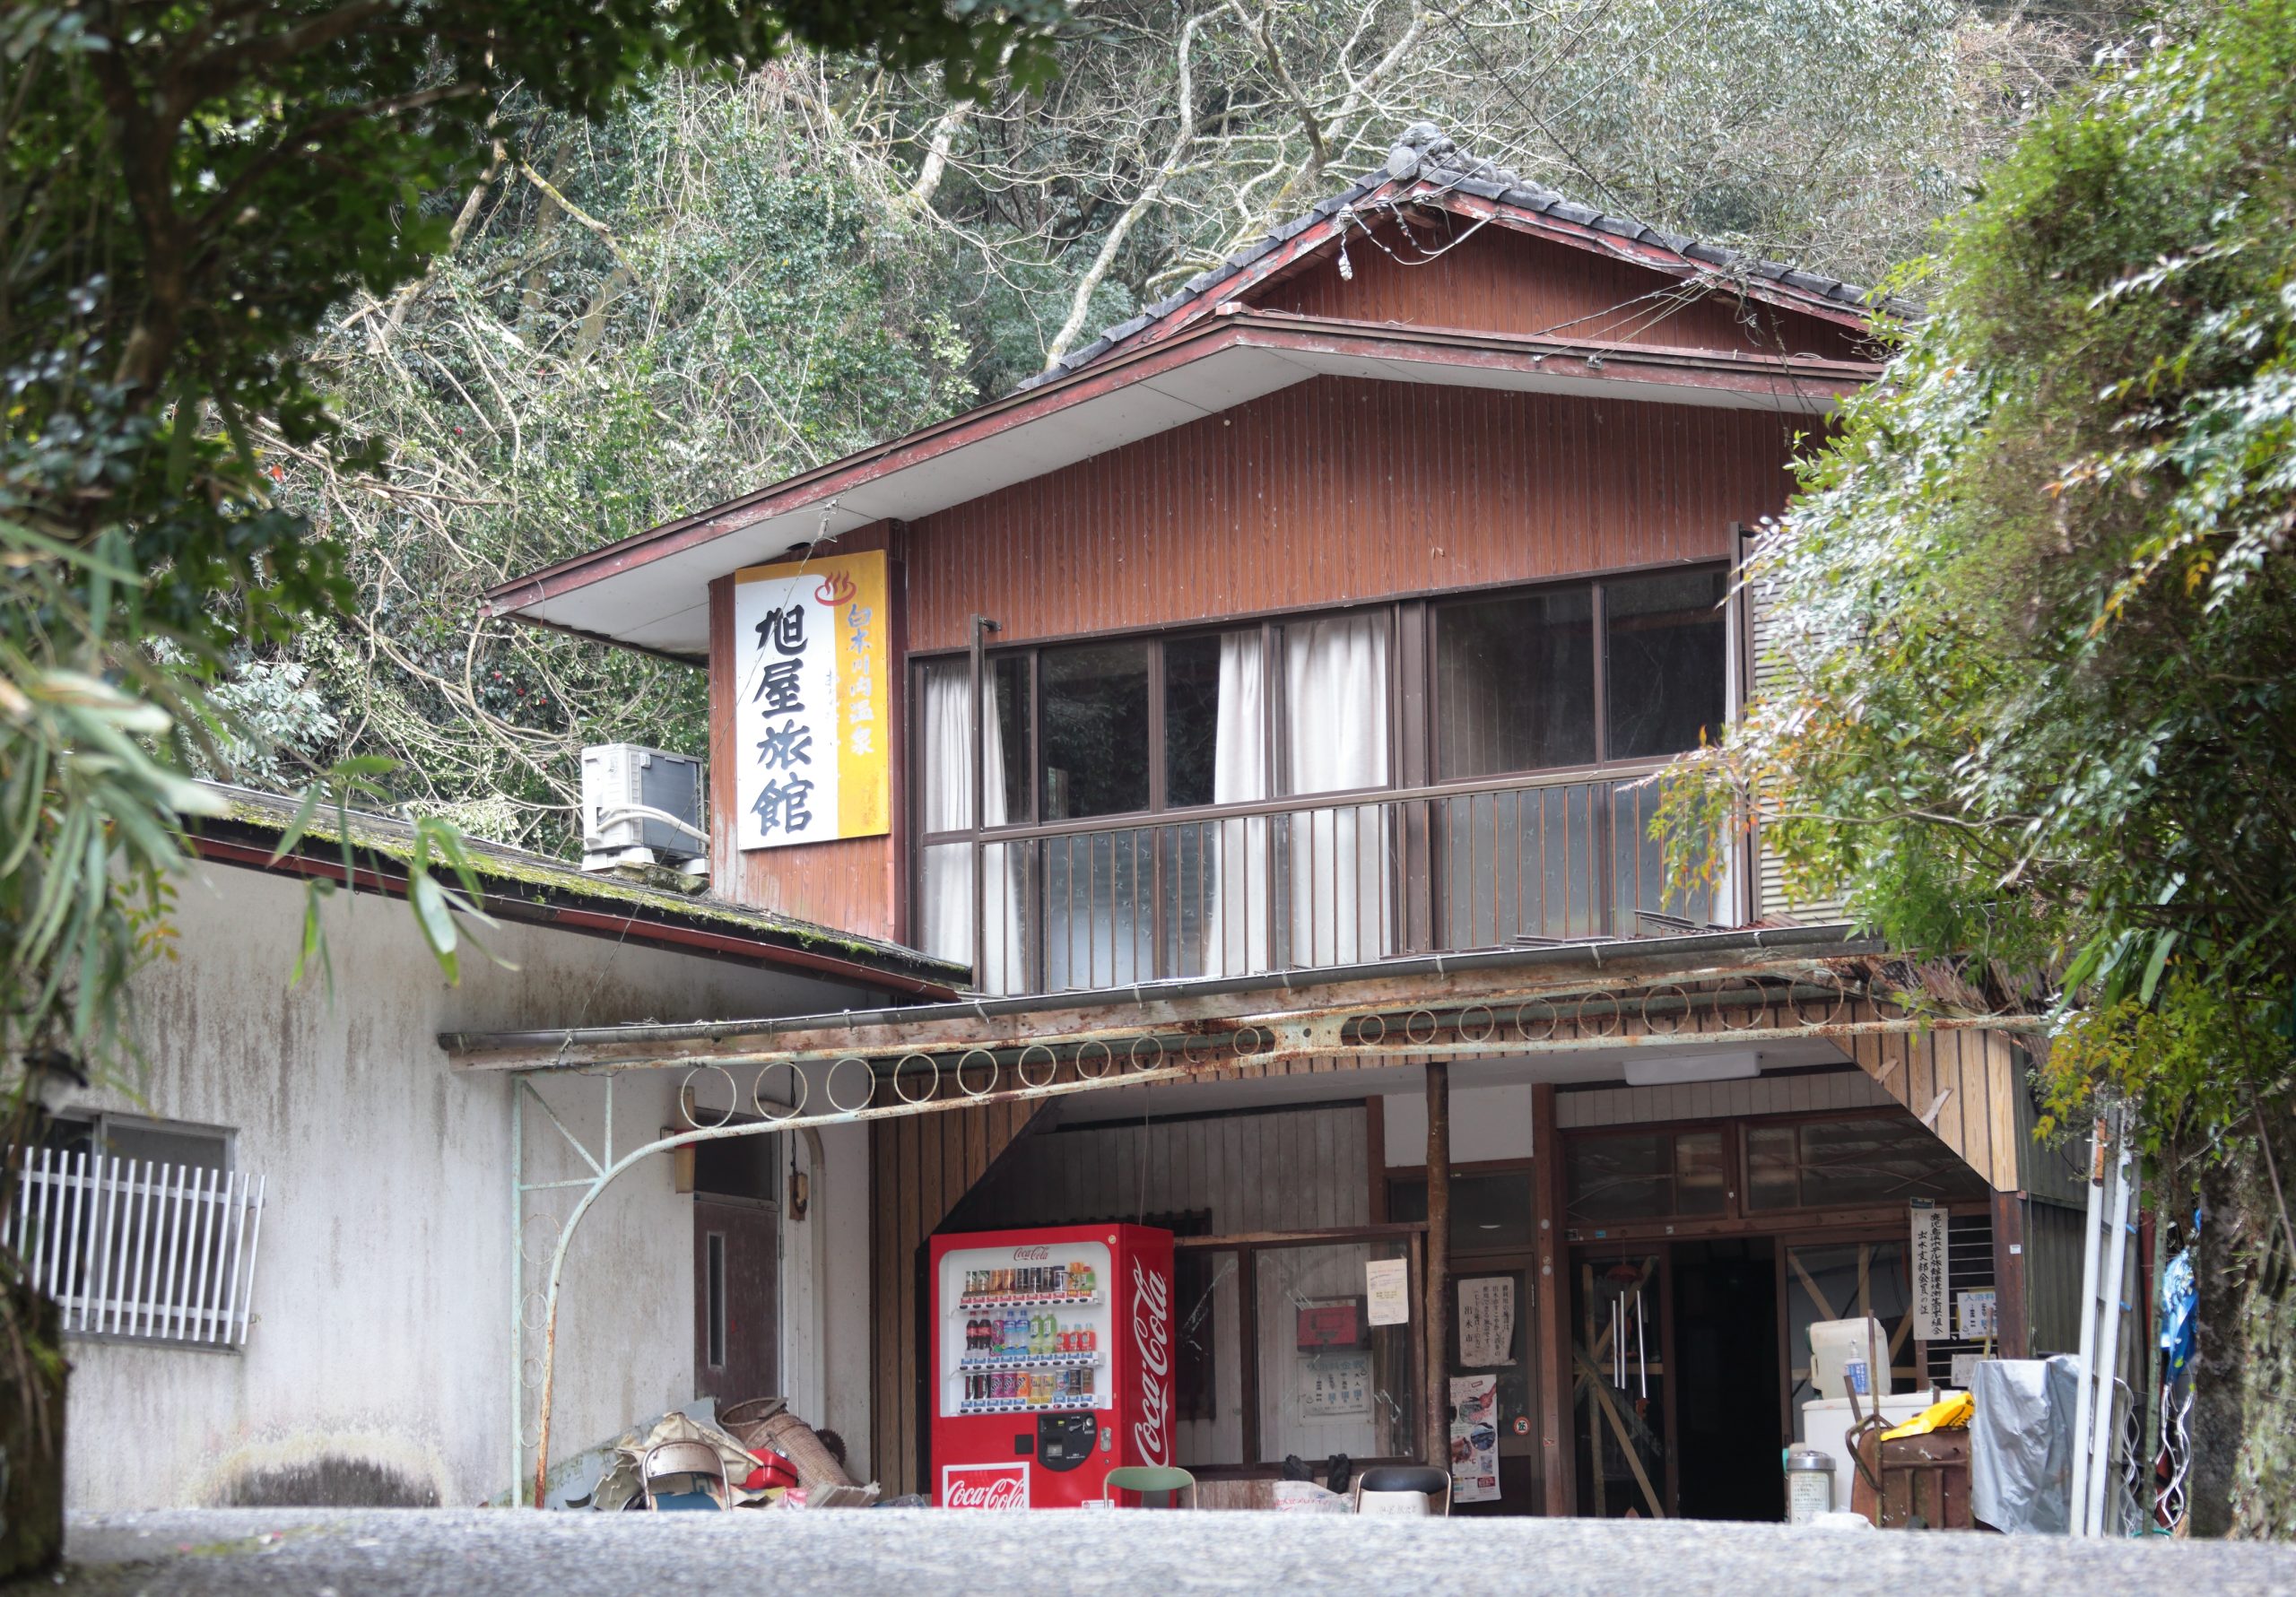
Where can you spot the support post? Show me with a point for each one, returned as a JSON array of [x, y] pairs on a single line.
[[2013, 1310], [1558, 1451], [1439, 1260], [518, 1288]]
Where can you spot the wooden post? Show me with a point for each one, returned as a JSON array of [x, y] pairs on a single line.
[[2013, 1311], [1439, 1260], [1558, 1446]]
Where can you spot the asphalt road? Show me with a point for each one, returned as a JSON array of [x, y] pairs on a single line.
[[918, 1553]]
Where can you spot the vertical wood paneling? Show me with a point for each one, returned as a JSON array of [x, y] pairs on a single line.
[[920, 1166], [1292, 1169], [1503, 282], [1339, 490]]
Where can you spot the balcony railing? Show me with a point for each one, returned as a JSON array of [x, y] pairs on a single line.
[[1307, 883]]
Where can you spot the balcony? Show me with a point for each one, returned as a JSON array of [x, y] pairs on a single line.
[[1306, 883]]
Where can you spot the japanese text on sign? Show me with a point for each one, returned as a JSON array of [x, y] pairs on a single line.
[[1487, 1321], [1930, 1296], [809, 672]]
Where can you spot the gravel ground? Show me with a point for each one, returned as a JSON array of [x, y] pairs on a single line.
[[915, 1553]]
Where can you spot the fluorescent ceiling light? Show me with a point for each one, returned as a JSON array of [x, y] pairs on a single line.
[[1666, 1070]]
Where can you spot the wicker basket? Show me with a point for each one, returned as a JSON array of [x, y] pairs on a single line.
[[766, 1422]]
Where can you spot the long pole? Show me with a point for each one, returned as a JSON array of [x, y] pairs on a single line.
[[1439, 1260]]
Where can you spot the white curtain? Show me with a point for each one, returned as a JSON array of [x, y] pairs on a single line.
[[1335, 724], [1337, 893], [947, 910], [1236, 929]]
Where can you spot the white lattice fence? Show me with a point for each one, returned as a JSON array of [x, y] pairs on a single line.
[[135, 1249]]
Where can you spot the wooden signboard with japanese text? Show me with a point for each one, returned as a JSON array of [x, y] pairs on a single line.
[[812, 742]]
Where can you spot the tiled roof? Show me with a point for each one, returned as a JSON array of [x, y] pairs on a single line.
[[1424, 156]]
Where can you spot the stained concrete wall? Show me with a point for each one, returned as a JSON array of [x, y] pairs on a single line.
[[379, 1366]]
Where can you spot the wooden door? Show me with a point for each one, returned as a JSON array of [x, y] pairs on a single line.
[[1501, 1292], [736, 1318]]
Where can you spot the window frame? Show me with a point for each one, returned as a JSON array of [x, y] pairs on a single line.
[[101, 1122], [1412, 623], [1738, 1210]]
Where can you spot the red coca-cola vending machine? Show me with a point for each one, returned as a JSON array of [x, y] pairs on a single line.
[[1052, 1362]]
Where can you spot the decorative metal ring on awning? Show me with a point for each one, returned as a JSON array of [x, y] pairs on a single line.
[[1673, 1017], [757, 1092], [693, 1100], [829, 1084], [1411, 1026], [1052, 1066], [966, 1059], [1754, 1012], [1107, 1059], [1481, 1032], [931, 1092], [1156, 1062], [1366, 1037], [1536, 1013], [1836, 1004], [1248, 1040], [1610, 1014]]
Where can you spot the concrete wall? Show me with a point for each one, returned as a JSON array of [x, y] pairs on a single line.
[[377, 1367]]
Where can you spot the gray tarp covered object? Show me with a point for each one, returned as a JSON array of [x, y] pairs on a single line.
[[2021, 1444]]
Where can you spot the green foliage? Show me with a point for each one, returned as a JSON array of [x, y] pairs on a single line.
[[185, 191], [730, 308], [2036, 597]]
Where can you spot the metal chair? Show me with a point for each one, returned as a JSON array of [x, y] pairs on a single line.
[[1149, 1478], [1436, 1484], [681, 1476]]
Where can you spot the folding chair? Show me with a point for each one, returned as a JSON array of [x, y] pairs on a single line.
[[683, 1475], [1436, 1484]]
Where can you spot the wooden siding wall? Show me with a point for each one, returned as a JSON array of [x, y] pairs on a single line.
[[2053, 1277], [1504, 281], [1579, 1108], [1964, 1084], [1340, 490], [854, 885], [920, 1167], [1282, 1170]]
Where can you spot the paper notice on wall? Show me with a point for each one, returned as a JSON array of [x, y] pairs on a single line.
[[1930, 1295], [1474, 1438], [1387, 1285], [1335, 1385], [1487, 1321], [1975, 1309]]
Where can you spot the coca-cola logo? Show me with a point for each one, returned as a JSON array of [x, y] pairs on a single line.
[[1151, 1340], [1032, 1253], [984, 1485]]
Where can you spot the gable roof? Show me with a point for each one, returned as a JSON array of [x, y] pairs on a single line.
[[536, 889], [1426, 169], [1204, 351]]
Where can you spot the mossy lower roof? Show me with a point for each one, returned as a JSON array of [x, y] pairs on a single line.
[[515, 880]]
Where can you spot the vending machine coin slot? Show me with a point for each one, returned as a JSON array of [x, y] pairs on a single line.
[[1064, 1441]]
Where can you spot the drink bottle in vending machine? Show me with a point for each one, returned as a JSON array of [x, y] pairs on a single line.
[[1052, 1362]]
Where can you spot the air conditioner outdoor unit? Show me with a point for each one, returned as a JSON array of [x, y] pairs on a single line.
[[642, 807]]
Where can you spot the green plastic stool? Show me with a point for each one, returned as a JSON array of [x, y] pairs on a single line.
[[1149, 1478]]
